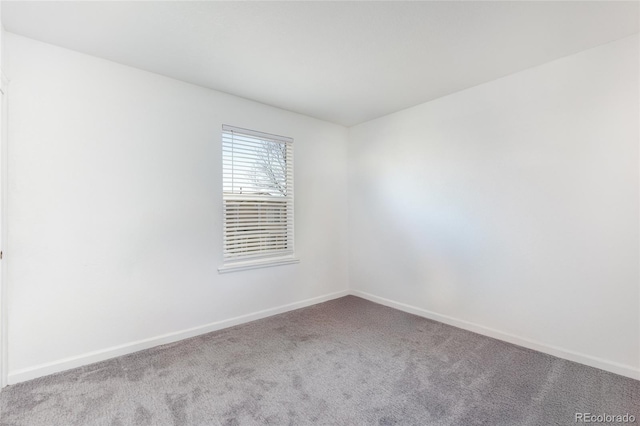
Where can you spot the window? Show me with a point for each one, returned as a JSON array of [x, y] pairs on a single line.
[[257, 180]]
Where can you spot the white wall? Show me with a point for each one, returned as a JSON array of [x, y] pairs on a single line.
[[115, 210], [511, 208], [3, 168]]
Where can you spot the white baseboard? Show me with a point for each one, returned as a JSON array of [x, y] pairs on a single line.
[[613, 367], [104, 354], [108, 353]]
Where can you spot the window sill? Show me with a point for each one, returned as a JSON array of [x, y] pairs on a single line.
[[255, 264]]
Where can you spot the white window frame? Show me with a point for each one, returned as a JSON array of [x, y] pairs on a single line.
[[269, 242]]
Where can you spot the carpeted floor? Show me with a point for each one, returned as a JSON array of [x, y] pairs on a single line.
[[343, 362]]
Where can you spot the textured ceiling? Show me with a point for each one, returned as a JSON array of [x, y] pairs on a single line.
[[344, 62]]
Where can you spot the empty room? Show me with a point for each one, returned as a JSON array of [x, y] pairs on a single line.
[[331, 213]]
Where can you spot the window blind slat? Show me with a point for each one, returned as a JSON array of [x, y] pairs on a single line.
[[257, 255]]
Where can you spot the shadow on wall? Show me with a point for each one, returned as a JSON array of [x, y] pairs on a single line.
[[425, 239]]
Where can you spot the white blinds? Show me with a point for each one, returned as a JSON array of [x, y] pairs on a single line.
[[257, 179]]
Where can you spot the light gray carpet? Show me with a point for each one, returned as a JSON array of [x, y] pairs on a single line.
[[344, 362]]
